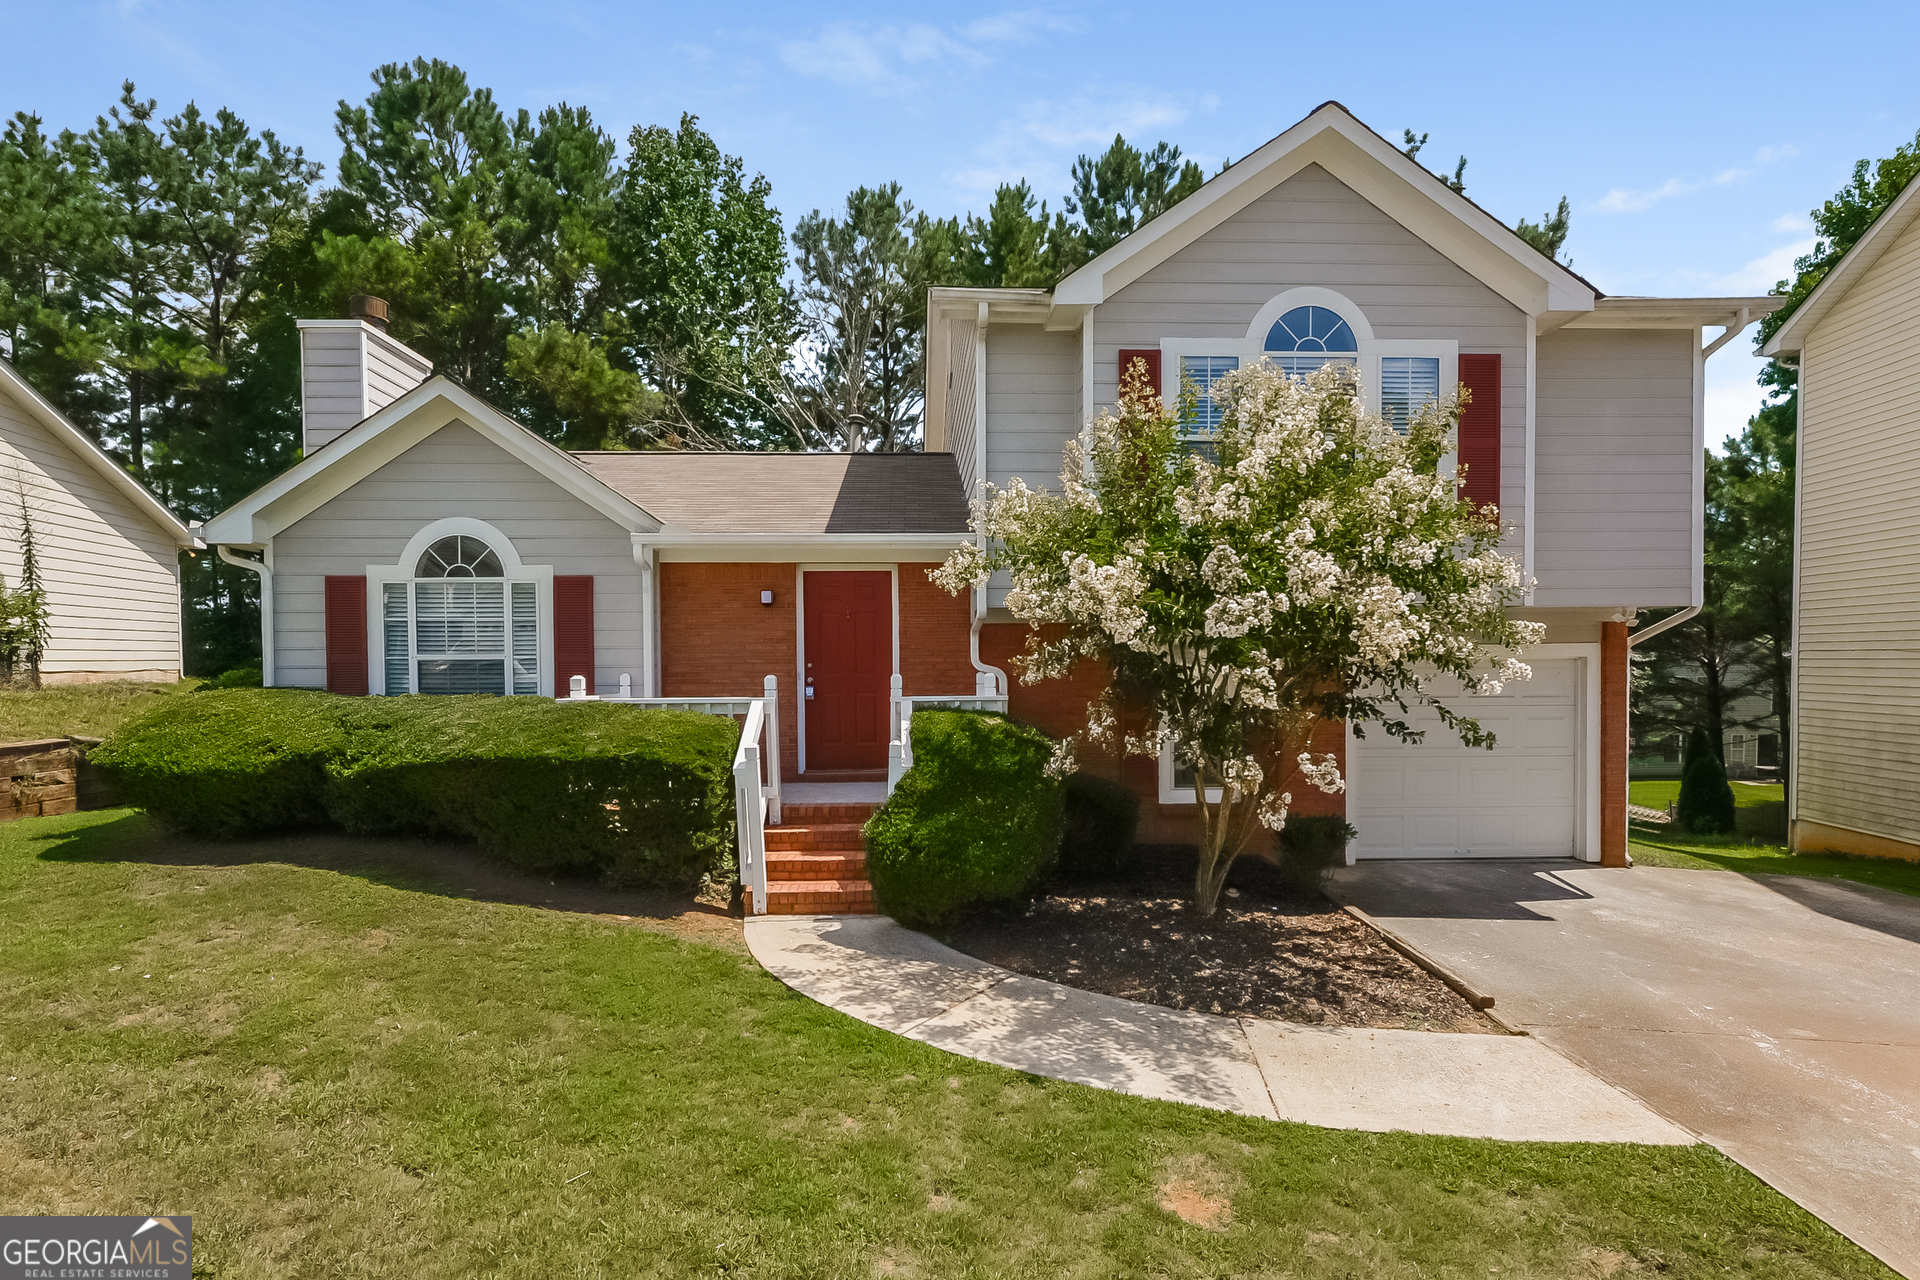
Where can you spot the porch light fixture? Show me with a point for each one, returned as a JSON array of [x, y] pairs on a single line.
[[766, 597]]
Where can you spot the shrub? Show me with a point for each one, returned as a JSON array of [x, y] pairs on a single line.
[[228, 763], [1706, 798], [237, 678], [976, 819], [1310, 845], [1098, 820], [644, 796]]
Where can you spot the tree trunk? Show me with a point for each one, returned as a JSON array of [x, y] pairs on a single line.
[[136, 436]]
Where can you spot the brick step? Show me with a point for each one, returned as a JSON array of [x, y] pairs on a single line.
[[820, 897], [802, 815], [828, 865], [827, 835]]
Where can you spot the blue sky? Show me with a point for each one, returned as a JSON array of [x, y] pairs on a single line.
[[1691, 138]]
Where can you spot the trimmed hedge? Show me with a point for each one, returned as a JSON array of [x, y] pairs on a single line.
[[976, 819], [1098, 822], [644, 796]]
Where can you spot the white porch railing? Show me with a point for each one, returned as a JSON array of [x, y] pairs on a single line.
[[756, 767], [900, 718]]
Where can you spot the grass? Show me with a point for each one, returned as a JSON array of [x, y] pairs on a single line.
[[343, 1059], [1658, 793], [79, 710], [1654, 845]]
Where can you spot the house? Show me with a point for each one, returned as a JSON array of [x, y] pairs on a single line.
[[1854, 745], [108, 550], [427, 542]]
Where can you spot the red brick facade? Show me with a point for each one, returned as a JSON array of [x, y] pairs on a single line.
[[1059, 707], [717, 639], [933, 636]]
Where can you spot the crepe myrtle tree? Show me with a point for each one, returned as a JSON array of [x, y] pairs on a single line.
[[1318, 566]]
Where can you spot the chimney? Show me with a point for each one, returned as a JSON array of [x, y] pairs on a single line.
[[351, 369]]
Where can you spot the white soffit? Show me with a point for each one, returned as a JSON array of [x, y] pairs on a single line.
[[1377, 170], [1673, 313], [367, 446], [1880, 237]]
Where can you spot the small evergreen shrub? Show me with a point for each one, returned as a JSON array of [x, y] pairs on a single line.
[[1706, 799], [1311, 845], [643, 796], [976, 819], [237, 678], [1099, 818]]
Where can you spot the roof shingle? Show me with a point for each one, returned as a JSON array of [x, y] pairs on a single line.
[[794, 493]]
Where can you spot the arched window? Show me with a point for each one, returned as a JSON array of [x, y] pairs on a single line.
[[1306, 338], [458, 625], [459, 557]]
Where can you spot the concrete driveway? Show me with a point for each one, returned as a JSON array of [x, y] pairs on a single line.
[[1778, 1017]]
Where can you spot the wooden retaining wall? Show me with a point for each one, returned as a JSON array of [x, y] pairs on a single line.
[[49, 776]]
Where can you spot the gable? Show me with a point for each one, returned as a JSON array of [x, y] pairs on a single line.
[[1334, 140], [453, 471]]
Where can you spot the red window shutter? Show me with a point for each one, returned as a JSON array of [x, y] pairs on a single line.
[[346, 627], [1480, 430], [1149, 354], [572, 631]]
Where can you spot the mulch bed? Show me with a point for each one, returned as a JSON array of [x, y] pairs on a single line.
[[1269, 952]]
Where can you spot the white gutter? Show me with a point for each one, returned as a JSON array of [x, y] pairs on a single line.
[[1665, 624], [977, 491], [265, 571], [1737, 324]]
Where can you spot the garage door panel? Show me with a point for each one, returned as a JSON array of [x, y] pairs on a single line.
[[1442, 799]]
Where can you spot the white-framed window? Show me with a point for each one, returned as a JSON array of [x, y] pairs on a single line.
[[1301, 331], [1177, 782], [460, 614]]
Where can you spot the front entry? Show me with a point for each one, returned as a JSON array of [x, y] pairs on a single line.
[[849, 657]]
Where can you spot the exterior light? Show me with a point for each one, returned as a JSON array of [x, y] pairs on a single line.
[[766, 597]]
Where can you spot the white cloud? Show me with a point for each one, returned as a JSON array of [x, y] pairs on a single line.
[[1025, 25], [1734, 393], [1761, 274], [897, 59], [1621, 200], [1038, 143], [877, 58], [1788, 223], [1767, 155]]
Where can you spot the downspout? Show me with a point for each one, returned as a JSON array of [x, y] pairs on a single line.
[[265, 571], [977, 490]]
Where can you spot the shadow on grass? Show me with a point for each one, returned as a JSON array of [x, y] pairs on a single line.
[[445, 868]]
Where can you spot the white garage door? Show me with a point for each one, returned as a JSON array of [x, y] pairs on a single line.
[[1443, 800]]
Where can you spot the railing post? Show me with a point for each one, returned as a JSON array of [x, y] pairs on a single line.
[[893, 701], [577, 687], [772, 688], [749, 827], [626, 687]]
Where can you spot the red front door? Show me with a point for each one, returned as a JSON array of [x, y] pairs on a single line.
[[849, 667]]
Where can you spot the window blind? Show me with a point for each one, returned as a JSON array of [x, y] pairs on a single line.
[[1406, 384], [1203, 372], [526, 639], [394, 637]]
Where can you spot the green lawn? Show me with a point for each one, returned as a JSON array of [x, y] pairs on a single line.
[[354, 1058], [1652, 844], [1659, 793], [79, 710]]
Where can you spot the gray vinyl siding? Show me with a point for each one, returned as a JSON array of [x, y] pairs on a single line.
[[453, 472], [1033, 403], [111, 572], [1857, 643], [1313, 229], [392, 370], [1614, 471], [333, 397]]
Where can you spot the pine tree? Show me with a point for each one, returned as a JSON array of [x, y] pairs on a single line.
[[1706, 798]]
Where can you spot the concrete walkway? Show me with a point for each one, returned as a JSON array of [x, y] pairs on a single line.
[[1481, 1086], [1777, 1016]]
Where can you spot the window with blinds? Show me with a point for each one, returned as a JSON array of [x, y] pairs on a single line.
[[459, 627], [1406, 384], [1202, 372]]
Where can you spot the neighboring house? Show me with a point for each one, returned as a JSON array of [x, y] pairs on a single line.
[[109, 551], [1854, 781], [436, 544]]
